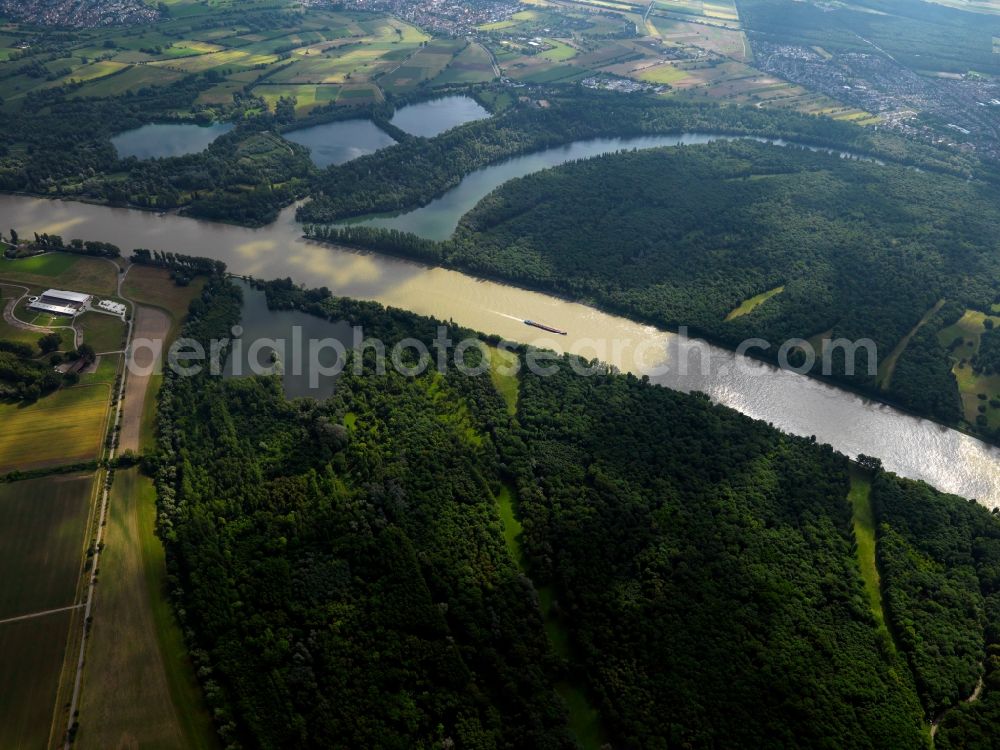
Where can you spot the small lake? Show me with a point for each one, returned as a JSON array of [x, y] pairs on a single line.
[[439, 219], [428, 119], [339, 142], [285, 333], [161, 140]]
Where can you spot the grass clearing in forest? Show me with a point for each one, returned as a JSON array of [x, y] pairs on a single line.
[[584, 719], [961, 339], [864, 535], [452, 411], [511, 527], [749, 305], [504, 377]]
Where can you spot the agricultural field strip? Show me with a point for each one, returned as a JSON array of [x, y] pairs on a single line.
[[119, 417]]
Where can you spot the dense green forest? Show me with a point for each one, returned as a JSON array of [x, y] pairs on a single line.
[[341, 570], [682, 236], [705, 567], [923, 380], [346, 576], [412, 173], [939, 557]]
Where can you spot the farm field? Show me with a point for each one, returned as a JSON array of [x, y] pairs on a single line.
[[307, 96], [43, 534], [136, 647], [65, 427], [153, 287], [134, 78], [90, 72], [472, 65], [105, 370], [427, 63], [77, 273], [31, 652], [106, 333]]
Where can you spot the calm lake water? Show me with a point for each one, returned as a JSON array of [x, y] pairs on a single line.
[[162, 140], [428, 119], [910, 446], [439, 218], [280, 332], [339, 142]]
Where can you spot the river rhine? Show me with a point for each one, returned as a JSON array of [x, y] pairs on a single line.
[[913, 447]]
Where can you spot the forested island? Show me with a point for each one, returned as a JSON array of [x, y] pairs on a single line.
[[412, 173], [690, 236], [345, 578]]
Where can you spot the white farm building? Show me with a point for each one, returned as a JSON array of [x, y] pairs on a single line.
[[58, 302]]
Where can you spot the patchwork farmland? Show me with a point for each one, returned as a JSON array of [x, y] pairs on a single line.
[[327, 57], [691, 49]]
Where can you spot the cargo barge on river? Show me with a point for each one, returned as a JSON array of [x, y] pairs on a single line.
[[544, 327]]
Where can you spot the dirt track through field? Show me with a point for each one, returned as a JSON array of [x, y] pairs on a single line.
[[151, 324]]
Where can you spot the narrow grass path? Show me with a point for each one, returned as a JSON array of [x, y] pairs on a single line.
[[584, 719], [888, 365], [865, 537], [747, 306], [864, 534]]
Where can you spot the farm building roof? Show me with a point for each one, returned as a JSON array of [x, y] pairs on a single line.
[[54, 309], [75, 297]]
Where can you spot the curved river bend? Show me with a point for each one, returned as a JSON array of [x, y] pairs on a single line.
[[439, 219], [910, 446]]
